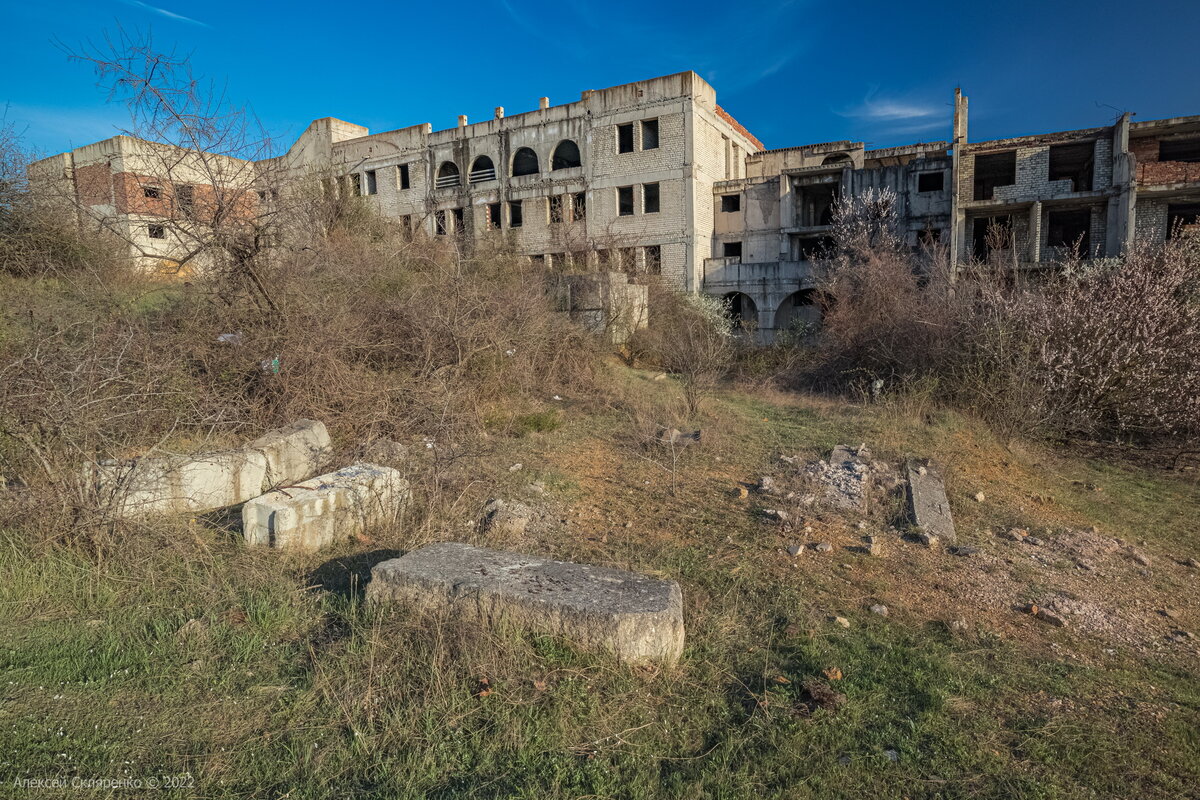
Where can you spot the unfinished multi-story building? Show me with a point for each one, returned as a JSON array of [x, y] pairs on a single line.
[[654, 177]]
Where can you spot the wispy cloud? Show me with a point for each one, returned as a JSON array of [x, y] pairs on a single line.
[[885, 109], [164, 12]]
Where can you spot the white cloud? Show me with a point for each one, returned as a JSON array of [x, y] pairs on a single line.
[[884, 109], [165, 13]]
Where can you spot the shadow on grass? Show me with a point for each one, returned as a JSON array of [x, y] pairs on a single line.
[[348, 576]]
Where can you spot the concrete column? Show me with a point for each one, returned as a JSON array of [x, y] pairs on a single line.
[[1122, 208], [1035, 232], [958, 217]]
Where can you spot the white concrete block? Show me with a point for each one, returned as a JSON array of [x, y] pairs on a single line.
[[325, 509], [294, 453]]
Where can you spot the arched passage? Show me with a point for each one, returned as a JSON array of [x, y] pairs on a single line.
[[800, 312], [743, 312], [566, 155], [447, 175], [482, 169], [525, 162]]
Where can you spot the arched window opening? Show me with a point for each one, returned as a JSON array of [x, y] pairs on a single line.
[[743, 313], [482, 170], [447, 175], [566, 156], [799, 314], [525, 162]]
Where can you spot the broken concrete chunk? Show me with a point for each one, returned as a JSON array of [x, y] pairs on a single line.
[[177, 484], [294, 453], [845, 478], [326, 509], [636, 618], [927, 503], [504, 517]]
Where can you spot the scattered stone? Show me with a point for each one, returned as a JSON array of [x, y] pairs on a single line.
[[845, 478], [823, 547], [516, 468], [980, 497], [537, 487], [766, 485], [506, 518], [194, 630], [1193, 563], [879, 609], [336, 506], [1033, 540], [636, 618], [388, 452], [1044, 615], [958, 624], [1015, 534], [862, 525], [964, 550], [678, 438], [795, 550], [788, 459], [1140, 557], [662, 376], [775, 515], [207, 481], [845, 623], [822, 695], [891, 755], [1085, 565], [927, 503], [1169, 613], [741, 493], [1182, 635], [928, 539], [874, 546]]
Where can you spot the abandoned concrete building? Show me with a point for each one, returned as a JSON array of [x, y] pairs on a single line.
[[655, 178]]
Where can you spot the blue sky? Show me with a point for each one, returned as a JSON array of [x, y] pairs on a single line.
[[793, 72]]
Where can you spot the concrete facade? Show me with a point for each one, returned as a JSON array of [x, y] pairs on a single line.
[[655, 178]]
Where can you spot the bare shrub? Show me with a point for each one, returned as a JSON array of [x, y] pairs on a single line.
[[691, 336]]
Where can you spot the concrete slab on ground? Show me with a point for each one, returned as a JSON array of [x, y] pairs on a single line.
[[637, 618], [928, 506]]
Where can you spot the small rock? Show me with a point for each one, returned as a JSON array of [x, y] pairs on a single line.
[[862, 525], [879, 609], [928, 539], [1169, 613], [1044, 615], [741, 493], [845, 623], [766, 485], [775, 514], [1015, 534], [1033, 540], [662, 376], [980, 497], [823, 547], [516, 468], [795, 550], [1085, 565], [958, 624], [1141, 558], [891, 755], [1193, 563], [964, 550], [537, 487]]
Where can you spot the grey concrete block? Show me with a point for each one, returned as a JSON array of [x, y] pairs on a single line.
[[928, 506], [317, 512], [294, 453], [636, 618]]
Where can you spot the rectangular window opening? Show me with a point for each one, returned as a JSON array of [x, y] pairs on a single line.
[[356, 186], [1179, 150], [992, 170], [514, 214], [153, 192], [1073, 162], [649, 134], [731, 202], [650, 198], [931, 182], [1183, 219], [991, 234], [156, 231], [185, 199], [372, 184], [625, 138], [1069, 229], [653, 255], [579, 206], [493, 216], [402, 176], [460, 221], [439, 223], [624, 201], [556, 208], [731, 250]]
